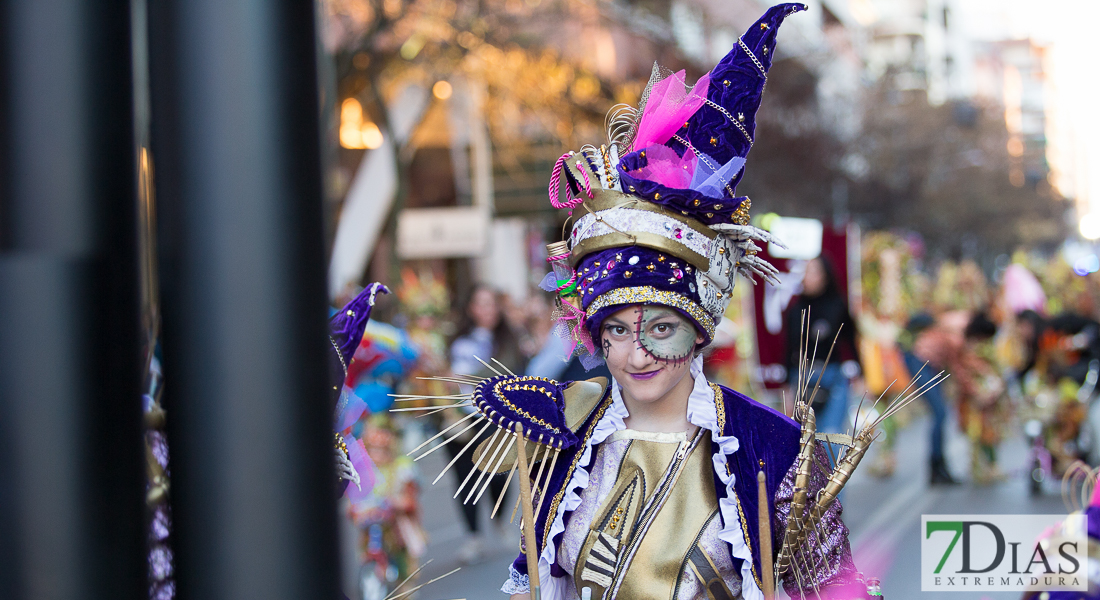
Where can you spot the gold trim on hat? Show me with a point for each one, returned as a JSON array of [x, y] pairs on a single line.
[[609, 199], [650, 295]]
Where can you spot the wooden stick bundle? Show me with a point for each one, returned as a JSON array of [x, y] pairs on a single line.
[[764, 514]]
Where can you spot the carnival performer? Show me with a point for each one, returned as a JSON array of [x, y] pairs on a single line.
[[659, 483], [659, 498], [982, 403]]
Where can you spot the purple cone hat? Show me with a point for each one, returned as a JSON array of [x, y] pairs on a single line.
[[657, 218], [346, 329]]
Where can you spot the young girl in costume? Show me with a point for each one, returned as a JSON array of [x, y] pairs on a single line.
[[647, 486]]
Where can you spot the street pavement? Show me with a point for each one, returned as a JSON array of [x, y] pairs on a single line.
[[883, 515]]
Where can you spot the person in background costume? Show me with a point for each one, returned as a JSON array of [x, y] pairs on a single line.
[[346, 327], [828, 317], [646, 486], [982, 402]]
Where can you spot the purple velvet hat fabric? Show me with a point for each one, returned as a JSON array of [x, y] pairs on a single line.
[[618, 277], [536, 402], [346, 329], [736, 86]]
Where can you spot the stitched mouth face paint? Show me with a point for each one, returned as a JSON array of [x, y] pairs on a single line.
[[665, 333]]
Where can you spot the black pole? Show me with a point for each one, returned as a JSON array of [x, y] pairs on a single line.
[[71, 505], [236, 142]]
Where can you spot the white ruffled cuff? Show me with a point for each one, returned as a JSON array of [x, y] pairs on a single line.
[[517, 583]]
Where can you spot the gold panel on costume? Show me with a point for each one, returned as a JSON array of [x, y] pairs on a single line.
[[669, 521]]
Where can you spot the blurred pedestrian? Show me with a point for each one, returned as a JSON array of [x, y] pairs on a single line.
[[483, 333], [937, 345], [827, 313]]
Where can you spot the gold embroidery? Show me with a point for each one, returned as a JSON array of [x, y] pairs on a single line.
[[519, 411], [748, 542], [650, 295], [720, 407]]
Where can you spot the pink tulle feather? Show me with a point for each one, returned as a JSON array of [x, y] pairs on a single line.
[[669, 106], [363, 465], [667, 168]]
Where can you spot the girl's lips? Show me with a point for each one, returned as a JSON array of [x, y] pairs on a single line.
[[646, 375]]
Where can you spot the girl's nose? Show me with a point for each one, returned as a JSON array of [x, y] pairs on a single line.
[[639, 356]]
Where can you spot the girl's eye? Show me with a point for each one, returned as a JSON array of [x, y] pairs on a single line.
[[616, 330], [664, 329]]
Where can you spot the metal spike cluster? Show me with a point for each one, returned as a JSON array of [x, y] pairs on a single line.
[[800, 523], [494, 452]]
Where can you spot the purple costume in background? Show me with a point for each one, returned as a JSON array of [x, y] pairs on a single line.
[[346, 328]]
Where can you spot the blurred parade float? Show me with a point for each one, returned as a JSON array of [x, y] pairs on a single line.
[[892, 286]]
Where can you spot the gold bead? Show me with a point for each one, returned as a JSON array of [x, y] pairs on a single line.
[[726, 82], [763, 27], [351, 313], [628, 274], [650, 267], [696, 203], [657, 196], [710, 215], [713, 141]]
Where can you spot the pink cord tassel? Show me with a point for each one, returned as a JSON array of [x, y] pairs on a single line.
[[555, 185]]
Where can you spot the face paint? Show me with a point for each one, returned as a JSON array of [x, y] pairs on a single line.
[[665, 333]]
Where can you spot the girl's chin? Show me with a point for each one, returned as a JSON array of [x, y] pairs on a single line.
[[642, 393]]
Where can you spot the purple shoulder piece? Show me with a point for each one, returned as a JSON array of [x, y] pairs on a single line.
[[534, 402]]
